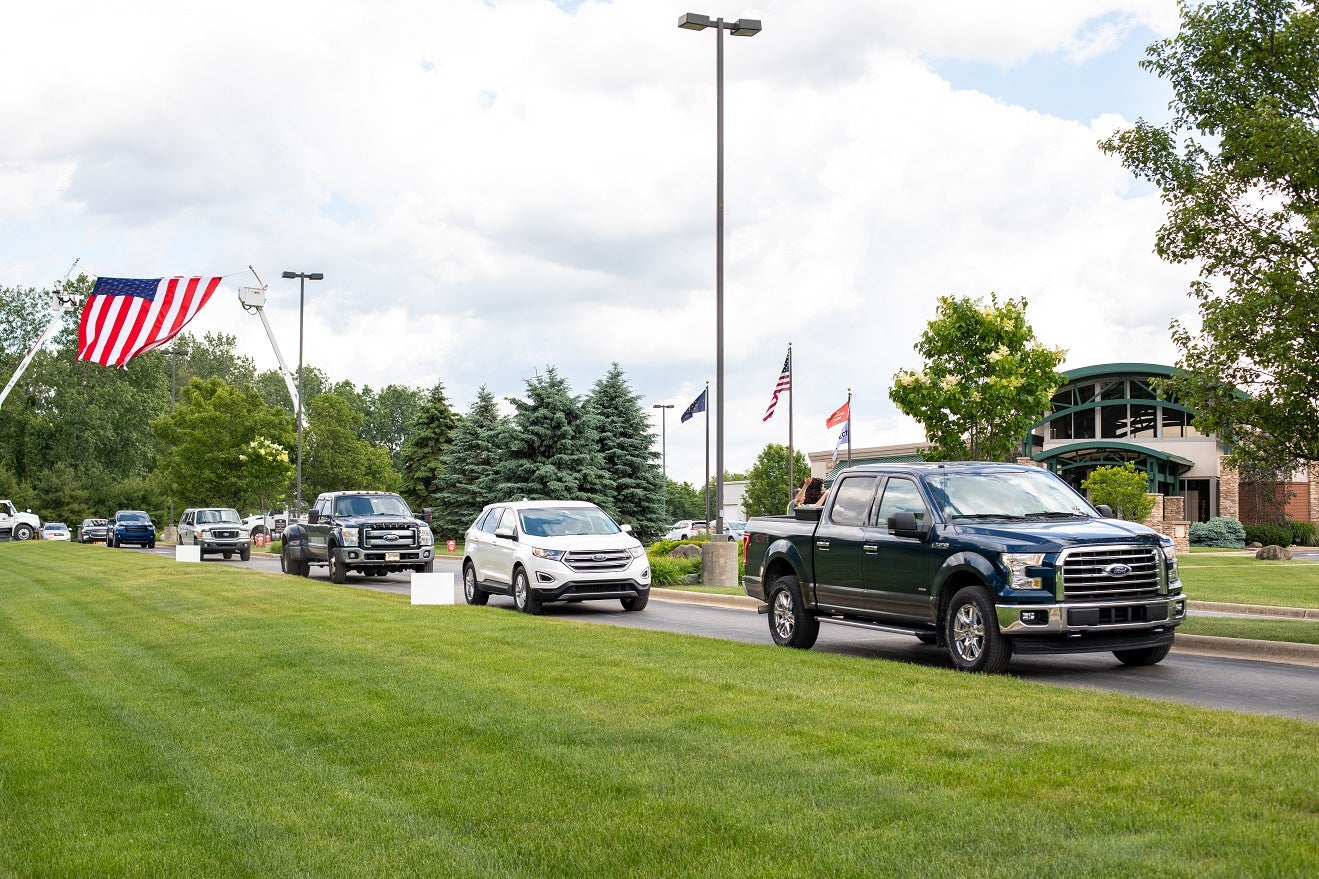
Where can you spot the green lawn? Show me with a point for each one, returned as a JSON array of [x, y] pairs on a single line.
[[159, 719], [1295, 631], [1247, 580]]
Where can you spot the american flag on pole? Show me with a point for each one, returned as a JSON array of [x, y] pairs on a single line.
[[125, 317], [783, 384]]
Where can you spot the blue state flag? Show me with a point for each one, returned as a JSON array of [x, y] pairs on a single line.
[[698, 405]]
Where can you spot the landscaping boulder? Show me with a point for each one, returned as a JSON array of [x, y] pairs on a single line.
[[1254, 544], [685, 551], [1274, 553]]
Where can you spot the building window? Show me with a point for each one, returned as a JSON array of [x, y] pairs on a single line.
[[1143, 420], [1113, 422], [1083, 424]]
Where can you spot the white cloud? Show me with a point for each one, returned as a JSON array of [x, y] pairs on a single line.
[[491, 187]]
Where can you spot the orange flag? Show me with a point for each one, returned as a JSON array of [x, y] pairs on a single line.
[[843, 413]]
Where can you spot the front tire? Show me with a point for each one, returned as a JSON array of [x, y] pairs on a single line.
[[23, 532], [1143, 655], [974, 642], [790, 624], [636, 602], [523, 595], [338, 571], [473, 593], [245, 553]]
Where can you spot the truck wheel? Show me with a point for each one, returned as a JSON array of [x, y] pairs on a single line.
[[471, 592], [974, 641], [523, 595], [636, 602], [1143, 655], [427, 568], [227, 555], [23, 532], [338, 572], [790, 625], [245, 553]]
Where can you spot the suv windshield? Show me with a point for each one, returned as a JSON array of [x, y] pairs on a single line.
[[1014, 494], [132, 516], [566, 521]]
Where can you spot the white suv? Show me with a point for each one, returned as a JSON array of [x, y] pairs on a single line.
[[542, 551]]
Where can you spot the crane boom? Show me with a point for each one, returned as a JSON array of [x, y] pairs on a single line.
[[58, 307], [254, 299]]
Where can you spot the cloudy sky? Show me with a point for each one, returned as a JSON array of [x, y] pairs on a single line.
[[491, 188]]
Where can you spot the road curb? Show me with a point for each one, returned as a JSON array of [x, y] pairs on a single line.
[[1198, 645], [1291, 613]]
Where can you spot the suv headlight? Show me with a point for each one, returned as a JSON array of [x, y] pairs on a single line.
[[636, 551], [554, 555], [1016, 564], [349, 536], [425, 537]]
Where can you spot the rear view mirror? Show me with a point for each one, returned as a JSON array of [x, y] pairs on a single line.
[[313, 516]]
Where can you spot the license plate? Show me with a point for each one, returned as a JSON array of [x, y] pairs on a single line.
[[391, 556]]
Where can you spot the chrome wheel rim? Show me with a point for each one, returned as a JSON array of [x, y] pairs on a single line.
[[969, 632], [469, 584], [520, 590], [784, 619]]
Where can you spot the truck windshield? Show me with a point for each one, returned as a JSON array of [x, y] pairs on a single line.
[[1014, 494], [566, 522]]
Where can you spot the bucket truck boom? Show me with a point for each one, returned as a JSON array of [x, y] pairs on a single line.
[[60, 304], [254, 299]]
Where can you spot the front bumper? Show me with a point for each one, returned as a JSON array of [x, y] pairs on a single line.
[[588, 590], [393, 558], [225, 545], [1092, 618]]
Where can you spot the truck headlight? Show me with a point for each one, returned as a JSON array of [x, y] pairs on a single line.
[[349, 536], [553, 555], [1170, 563], [1016, 564], [425, 537]]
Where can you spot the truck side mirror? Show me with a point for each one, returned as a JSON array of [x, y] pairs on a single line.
[[426, 513], [905, 525], [313, 516], [1105, 510]]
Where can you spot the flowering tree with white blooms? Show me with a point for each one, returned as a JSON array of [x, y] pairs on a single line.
[[985, 381]]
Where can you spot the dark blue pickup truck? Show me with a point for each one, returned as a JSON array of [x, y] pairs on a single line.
[[982, 559]]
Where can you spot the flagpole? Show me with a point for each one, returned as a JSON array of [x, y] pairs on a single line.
[[791, 481], [707, 452], [849, 427]]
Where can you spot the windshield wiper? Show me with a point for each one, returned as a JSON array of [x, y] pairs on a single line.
[[987, 516], [1056, 514]]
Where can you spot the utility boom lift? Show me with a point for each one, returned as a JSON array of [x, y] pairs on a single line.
[[59, 305], [254, 299]]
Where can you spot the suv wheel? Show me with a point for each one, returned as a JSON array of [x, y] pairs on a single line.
[[523, 595], [636, 602], [974, 641], [473, 593]]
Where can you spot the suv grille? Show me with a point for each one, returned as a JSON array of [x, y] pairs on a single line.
[[589, 561], [392, 535], [1099, 575]]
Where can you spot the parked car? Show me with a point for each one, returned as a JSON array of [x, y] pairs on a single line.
[[543, 551], [734, 530], [132, 526], [215, 530], [55, 531], [685, 529], [93, 530]]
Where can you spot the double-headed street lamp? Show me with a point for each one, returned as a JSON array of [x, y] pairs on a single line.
[[743, 27], [664, 455], [303, 278]]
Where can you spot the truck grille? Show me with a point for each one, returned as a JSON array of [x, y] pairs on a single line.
[[1113, 573], [389, 536], [225, 535], [588, 561]]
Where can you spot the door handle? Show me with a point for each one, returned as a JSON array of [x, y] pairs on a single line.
[[821, 544], [870, 548]]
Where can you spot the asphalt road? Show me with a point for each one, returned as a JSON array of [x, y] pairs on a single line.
[[1249, 686]]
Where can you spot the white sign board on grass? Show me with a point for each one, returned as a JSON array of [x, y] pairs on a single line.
[[186, 553], [432, 588]]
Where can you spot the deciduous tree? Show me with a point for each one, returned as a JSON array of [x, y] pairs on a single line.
[[1125, 489], [768, 491]]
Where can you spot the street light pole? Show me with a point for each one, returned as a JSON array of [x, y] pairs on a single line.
[[174, 355], [664, 455], [743, 27], [303, 278]]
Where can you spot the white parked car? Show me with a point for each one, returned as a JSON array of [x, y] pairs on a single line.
[[543, 551], [685, 530], [55, 531]]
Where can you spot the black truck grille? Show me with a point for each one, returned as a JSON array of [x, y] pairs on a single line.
[[589, 561], [1112, 573], [225, 535], [389, 536]]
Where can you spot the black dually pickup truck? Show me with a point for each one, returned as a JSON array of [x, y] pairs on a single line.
[[982, 559]]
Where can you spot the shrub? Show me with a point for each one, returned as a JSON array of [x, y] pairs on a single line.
[[1124, 488], [666, 571], [1305, 533], [1219, 531], [1269, 534]]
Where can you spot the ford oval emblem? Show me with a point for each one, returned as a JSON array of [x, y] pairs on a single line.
[[1117, 570], [391, 538], [598, 557]]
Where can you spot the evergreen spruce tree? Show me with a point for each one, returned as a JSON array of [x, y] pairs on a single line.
[[421, 458], [627, 445], [551, 447], [469, 468]]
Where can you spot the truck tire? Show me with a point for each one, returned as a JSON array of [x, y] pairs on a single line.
[[974, 641], [23, 532], [289, 566], [245, 553], [473, 593], [523, 595], [1143, 655], [338, 570], [636, 602], [790, 624]]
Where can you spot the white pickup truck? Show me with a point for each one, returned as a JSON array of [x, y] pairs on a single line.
[[18, 525], [271, 524]]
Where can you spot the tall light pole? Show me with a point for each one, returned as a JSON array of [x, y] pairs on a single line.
[[174, 355], [743, 27], [303, 278], [664, 455]]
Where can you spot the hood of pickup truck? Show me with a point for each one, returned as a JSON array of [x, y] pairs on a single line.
[[1050, 535]]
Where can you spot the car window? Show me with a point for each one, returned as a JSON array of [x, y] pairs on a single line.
[[566, 522], [491, 521], [900, 496], [852, 497]]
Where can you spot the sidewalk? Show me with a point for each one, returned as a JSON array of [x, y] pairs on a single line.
[[1194, 645]]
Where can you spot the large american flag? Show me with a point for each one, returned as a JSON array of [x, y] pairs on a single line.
[[783, 384], [125, 317]]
